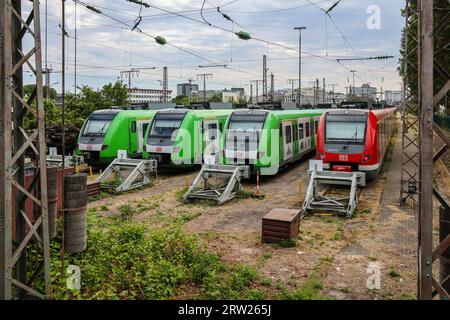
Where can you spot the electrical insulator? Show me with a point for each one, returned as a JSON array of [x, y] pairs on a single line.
[[243, 35], [160, 40]]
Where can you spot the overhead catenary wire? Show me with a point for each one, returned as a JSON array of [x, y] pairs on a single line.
[[151, 36], [254, 38], [128, 26]]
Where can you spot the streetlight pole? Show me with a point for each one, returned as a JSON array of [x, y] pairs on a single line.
[[299, 95], [353, 86]]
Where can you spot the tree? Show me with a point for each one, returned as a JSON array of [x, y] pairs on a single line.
[[215, 98], [29, 88], [441, 56], [116, 94], [179, 100]]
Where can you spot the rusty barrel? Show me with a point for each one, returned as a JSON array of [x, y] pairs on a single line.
[[444, 260], [75, 217], [52, 195]]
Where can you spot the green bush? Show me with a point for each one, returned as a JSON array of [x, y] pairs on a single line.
[[124, 260]]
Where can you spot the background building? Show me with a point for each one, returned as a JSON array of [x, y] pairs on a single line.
[[139, 95], [393, 97], [365, 91], [187, 89]]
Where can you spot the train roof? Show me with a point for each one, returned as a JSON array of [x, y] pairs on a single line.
[[198, 112], [130, 113], [281, 113], [378, 113]]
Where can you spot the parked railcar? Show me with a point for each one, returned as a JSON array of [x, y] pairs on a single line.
[[267, 140], [106, 131], [355, 140], [179, 137]]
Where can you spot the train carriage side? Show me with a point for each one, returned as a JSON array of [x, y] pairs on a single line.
[[267, 140], [178, 137], [107, 131], [355, 140]]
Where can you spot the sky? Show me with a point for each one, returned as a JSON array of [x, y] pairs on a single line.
[[106, 46]]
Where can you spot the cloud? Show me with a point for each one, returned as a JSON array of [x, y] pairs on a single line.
[[106, 43]]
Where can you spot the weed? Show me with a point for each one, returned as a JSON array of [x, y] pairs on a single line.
[[336, 236], [288, 243], [265, 282], [126, 212], [393, 273], [104, 208]]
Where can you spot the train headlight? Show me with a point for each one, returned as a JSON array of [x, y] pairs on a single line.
[[366, 157], [104, 147]]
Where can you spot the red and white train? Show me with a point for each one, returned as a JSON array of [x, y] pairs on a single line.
[[355, 139]]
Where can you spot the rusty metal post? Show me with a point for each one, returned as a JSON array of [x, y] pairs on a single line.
[[13, 106], [18, 115], [63, 125], [6, 147], [426, 150], [444, 260]]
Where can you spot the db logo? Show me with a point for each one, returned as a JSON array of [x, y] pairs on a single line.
[[343, 157], [89, 147], [158, 149]]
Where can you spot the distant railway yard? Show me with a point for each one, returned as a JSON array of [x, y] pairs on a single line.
[[218, 154], [328, 260]]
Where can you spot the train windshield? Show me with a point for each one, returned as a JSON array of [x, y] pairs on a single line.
[[165, 125], [246, 122], [244, 131], [345, 128], [97, 125]]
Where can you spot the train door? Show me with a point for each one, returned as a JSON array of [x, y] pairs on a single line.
[[211, 141], [142, 126], [287, 140], [304, 134], [307, 135], [133, 138], [301, 135], [314, 129]]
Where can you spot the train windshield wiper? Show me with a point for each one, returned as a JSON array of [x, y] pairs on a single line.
[[100, 132]]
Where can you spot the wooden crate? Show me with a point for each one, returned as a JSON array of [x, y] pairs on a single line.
[[280, 224]]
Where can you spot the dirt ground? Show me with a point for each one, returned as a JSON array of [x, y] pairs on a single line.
[[381, 232]]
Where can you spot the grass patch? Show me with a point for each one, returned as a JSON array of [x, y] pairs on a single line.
[[125, 260], [336, 236], [126, 212], [246, 194], [393, 273], [311, 288], [288, 243]]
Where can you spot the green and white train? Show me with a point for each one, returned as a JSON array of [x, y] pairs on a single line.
[[180, 137], [264, 139], [107, 131], [267, 140]]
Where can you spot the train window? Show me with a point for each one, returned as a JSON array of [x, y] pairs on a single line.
[[144, 129], [133, 126], [288, 134], [307, 129], [300, 131], [212, 131]]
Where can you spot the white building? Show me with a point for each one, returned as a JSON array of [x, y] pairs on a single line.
[[139, 95], [230, 96], [393, 97]]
